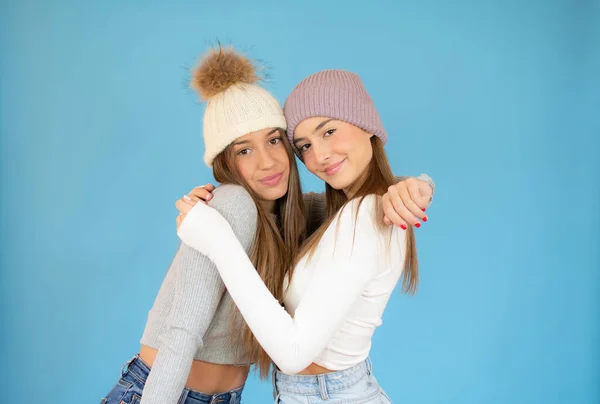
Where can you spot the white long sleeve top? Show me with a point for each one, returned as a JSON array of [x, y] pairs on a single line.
[[335, 300]]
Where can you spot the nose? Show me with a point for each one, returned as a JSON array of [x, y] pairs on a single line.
[[321, 152], [265, 161]]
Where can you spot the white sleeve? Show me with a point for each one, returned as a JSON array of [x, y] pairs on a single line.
[[294, 343]]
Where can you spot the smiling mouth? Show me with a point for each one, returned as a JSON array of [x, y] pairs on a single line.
[[272, 180], [334, 168]]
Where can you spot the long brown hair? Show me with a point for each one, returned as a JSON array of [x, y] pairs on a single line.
[[378, 178], [276, 243]]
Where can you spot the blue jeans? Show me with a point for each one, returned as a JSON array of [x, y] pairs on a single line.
[[128, 389], [356, 385]]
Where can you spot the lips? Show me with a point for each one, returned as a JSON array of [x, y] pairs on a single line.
[[272, 180], [334, 168]]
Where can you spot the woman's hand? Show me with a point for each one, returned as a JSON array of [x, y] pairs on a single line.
[[405, 202]]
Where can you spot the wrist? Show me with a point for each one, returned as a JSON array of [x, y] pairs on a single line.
[[429, 181]]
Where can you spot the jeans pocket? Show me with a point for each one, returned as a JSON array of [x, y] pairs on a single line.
[[135, 399], [118, 392], [133, 396]]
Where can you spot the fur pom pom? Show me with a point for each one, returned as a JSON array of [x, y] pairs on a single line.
[[220, 69]]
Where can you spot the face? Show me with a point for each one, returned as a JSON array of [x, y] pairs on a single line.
[[335, 151], [262, 160]]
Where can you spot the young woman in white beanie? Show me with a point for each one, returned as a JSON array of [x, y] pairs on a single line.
[[344, 275], [195, 347]]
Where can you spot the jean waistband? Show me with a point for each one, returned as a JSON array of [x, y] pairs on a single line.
[[137, 367], [314, 384], [140, 370]]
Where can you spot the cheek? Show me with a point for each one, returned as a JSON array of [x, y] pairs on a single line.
[[282, 157], [342, 144], [310, 162], [246, 168], [364, 154], [359, 147]]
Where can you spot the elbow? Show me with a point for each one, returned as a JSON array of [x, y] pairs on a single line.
[[292, 366], [291, 370], [296, 355], [182, 340]]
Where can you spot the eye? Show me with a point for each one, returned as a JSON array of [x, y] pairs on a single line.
[[304, 147], [329, 132], [275, 140], [243, 152]]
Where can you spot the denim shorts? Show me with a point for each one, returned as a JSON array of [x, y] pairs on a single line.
[[356, 385], [134, 373]]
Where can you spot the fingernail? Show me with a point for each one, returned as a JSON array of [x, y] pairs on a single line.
[[403, 226], [423, 209], [208, 197], [425, 219], [418, 225], [187, 198]]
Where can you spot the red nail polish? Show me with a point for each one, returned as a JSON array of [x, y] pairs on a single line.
[[418, 225], [423, 209], [425, 219], [403, 226]]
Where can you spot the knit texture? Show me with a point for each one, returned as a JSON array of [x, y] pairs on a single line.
[[239, 110]]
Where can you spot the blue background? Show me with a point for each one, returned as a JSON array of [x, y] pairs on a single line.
[[494, 99]]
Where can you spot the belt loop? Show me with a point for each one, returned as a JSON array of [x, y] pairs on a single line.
[[125, 366], [183, 396], [369, 366], [323, 387]]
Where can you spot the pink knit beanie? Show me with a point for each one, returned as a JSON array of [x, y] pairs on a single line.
[[337, 94]]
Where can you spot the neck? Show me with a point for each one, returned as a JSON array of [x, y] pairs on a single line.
[[351, 190], [269, 206]]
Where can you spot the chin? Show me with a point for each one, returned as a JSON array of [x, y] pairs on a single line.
[[279, 193], [339, 183], [272, 194]]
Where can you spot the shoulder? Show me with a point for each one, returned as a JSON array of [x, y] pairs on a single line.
[[236, 205], [366, 214], [361, 209], [232, 201]]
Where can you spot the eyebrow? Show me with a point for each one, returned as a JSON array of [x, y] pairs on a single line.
[[319, 126], [247, 141]]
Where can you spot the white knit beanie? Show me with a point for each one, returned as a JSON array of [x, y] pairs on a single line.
[[235, 106]]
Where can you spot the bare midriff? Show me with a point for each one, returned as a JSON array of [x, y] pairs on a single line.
[[314, 369], [205, 377]]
